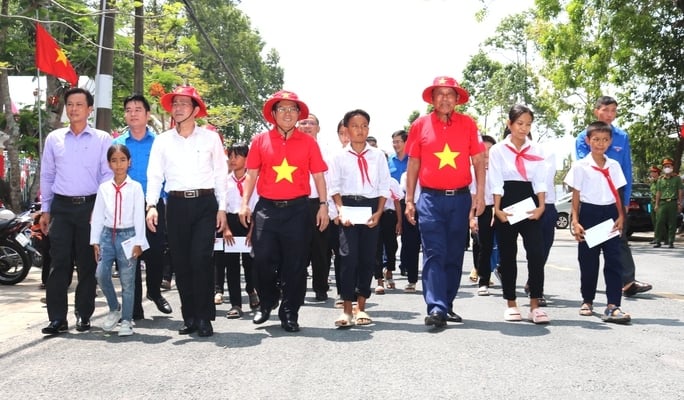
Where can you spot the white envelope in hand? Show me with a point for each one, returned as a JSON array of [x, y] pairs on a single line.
[[356, 215], [600, 233], [520, 210]]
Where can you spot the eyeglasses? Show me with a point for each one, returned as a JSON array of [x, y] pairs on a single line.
[[283, 110], [181, 104]]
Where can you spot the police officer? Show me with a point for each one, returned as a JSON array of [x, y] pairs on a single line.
[[667, 204], [653, 175]]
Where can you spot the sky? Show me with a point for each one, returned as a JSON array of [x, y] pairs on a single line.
[[377, 55]]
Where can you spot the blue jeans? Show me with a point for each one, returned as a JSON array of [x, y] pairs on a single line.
[[111, 250]]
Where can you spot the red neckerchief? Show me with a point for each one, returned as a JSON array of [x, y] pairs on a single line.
[[238, 182], [363, 165], [118, 205], [522, 155], [606, 173]]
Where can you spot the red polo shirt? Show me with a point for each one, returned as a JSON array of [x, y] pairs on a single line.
[[284, 165], [444, 150]]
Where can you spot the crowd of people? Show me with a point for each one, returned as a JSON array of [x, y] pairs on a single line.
[[283, 205]]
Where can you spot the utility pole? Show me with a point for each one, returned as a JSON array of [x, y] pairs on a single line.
[[137, 47], [105, 68]]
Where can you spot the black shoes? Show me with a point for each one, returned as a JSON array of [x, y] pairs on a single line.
[[290, 326], [261, 316], [321, 296], [670, 246], [82, 324], [187, 328], [436, 319], [162, 304], [636, 287], [453, 317], [655, 246], [55, 327], [204, 328]]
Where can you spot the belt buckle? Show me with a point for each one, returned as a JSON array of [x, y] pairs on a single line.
[[78, 200], [449, 192], [280, 203], [190, 194]]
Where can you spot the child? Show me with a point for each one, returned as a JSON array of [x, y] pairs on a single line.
[[227, 265], [118, 215], [594, 181], [359, 178], [390, 227]]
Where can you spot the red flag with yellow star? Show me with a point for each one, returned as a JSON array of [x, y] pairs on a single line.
[[51, 59]]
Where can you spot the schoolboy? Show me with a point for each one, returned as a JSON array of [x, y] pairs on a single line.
[[594, 181]]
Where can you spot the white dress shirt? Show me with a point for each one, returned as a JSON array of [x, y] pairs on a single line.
[[233, 197], [396, 193], [346, 176], [592, 184], [131, 209], [502, 167]]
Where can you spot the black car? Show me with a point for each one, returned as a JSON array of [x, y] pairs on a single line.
[[639, 210]]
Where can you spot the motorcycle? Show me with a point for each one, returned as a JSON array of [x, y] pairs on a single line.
[[15, 247]]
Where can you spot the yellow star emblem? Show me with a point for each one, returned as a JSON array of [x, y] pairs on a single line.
[[442, 81], [447, 157], [284, 171], [61, 57]]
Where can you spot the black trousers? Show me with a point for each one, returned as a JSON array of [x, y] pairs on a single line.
[[227, 266], [334, 248], [69, 244], [319, 254], [281, 240], [482, 249], [410, 246], [154, 265], [191, 225], [387, 244]]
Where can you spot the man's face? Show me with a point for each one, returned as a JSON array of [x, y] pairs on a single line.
[[135, 114], [182, 108], [358, 129], [77, 108], [398, 144], [286, 114], [309, 126], [606, 113], [444, 99]]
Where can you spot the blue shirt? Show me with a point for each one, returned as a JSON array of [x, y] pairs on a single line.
[[619, 151], [397, 166], [140, 156]]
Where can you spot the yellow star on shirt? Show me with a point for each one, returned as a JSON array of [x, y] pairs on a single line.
[[447, 157], [284, 171], [61, 57]]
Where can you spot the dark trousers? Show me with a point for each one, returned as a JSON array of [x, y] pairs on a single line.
[[281, 240], [666, 221], [410, 246], [358, 244], [387, 244], [507, 235], [319, 254], [191, 225], [227, 266], [334, 248], [69, 244], [483, 246], [589, 216], [443, 230], [43, 247], [154, 265]]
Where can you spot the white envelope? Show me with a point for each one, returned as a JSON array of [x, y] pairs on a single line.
[[600, 233], [356, 215], [127, 246], [520, 210], [240, 245], [218, 244]]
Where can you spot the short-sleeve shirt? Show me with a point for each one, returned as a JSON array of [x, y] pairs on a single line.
[[444, 150], [669, 187], [284, 165], [592, 185]]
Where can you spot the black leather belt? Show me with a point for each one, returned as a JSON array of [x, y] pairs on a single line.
[[191, 194], [76, 199], [355, 198], [446, 192], [286, 203]]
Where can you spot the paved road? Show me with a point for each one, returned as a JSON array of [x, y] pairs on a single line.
[[396, 357]]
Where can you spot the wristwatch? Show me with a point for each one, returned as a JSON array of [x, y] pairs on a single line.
[[150, 206]]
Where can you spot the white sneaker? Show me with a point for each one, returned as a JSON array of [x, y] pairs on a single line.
[[483, 291], [111, 319], [126, 328]]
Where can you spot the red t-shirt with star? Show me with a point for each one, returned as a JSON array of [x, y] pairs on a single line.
[[444, 150], [284, 165]]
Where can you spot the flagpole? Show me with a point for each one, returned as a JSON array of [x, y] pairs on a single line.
[[40, 117]]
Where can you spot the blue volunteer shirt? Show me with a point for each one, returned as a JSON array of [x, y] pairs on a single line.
[[140, 156], [397, 166]]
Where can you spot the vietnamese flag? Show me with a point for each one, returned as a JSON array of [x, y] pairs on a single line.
[[51, 59]]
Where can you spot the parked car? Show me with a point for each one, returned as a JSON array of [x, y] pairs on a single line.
[[564, 208], [639, 210]]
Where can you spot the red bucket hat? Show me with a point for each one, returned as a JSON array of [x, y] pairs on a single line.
[[446, 81], [184, 90], [284, 95]]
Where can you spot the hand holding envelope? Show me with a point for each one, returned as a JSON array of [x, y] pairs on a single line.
[[520, 210]]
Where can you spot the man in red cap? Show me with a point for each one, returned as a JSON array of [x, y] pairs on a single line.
[[191, 163], [441, 147], [282, 159], [668, 204]]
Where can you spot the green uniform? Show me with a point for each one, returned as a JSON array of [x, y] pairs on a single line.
[[666, 218], [652, 210]]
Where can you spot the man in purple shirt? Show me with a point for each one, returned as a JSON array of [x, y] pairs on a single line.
[[73, 165]]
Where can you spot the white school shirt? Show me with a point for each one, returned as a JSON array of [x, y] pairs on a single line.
[[502, 167], [592, 184], [488, 196], [416, 192], [132, 210], [233, 198], [396, 193], [195, 162], [345, 175], [550, 165]]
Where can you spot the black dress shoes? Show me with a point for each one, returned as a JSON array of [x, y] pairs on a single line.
[[453, 317], [82, 324], [636, 287], [435, 319], [55, 327], [321, 296], [187, 328], [261, 316], [204, 328], [290, 326], [162, 304]]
